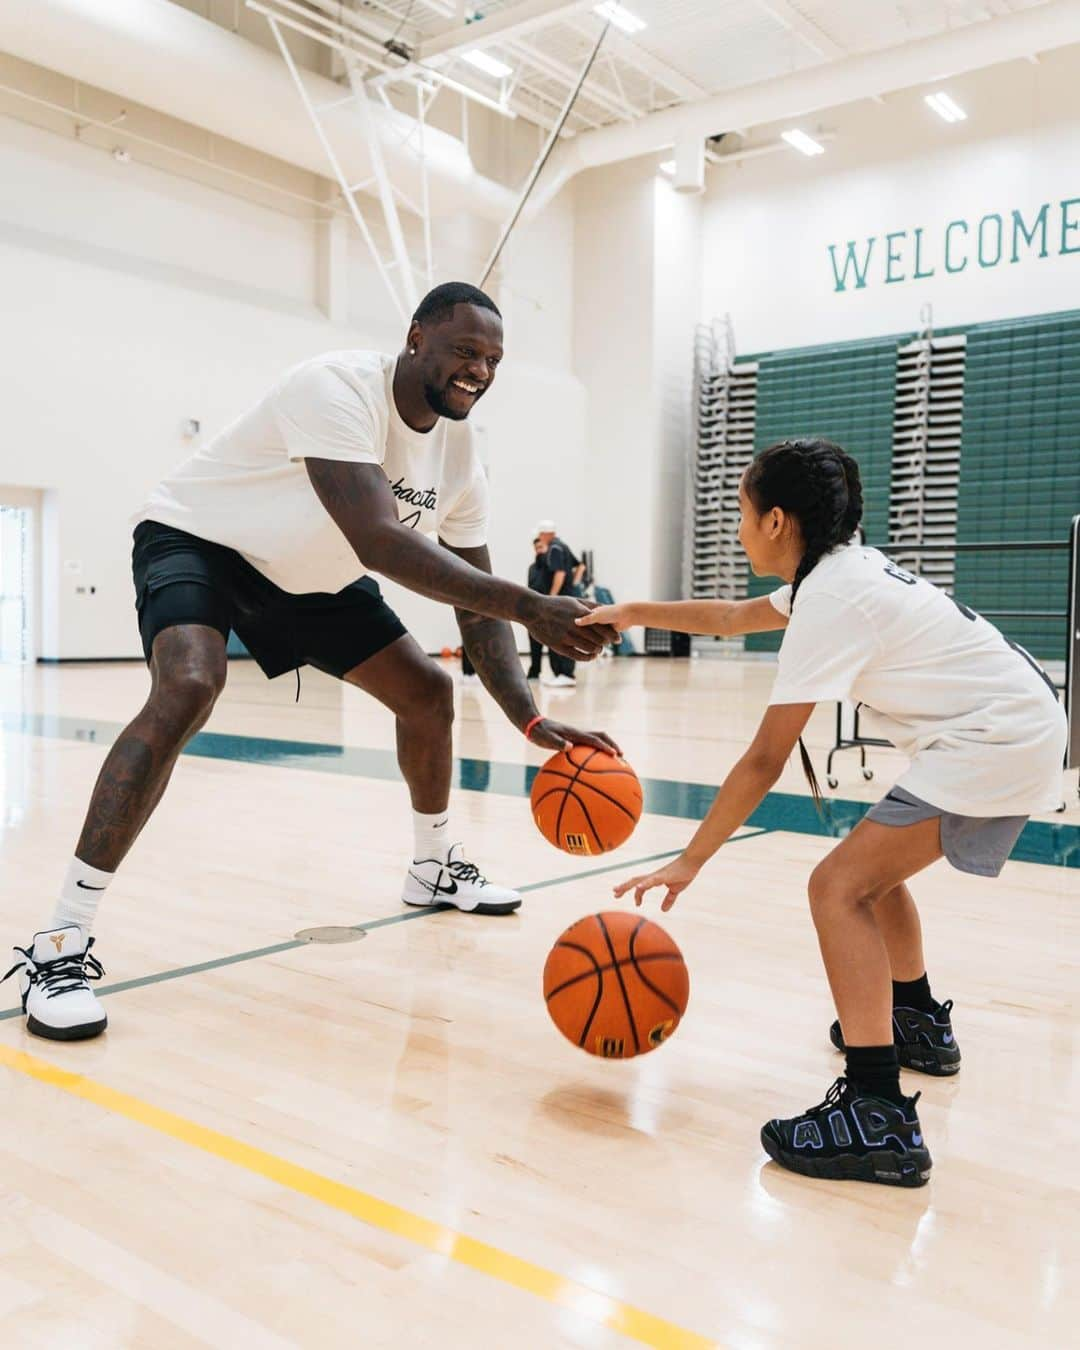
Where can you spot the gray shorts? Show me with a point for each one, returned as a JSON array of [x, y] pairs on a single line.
[[978, 844]]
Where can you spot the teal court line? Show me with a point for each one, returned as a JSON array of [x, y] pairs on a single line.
[[218, 962], [1045, 842]]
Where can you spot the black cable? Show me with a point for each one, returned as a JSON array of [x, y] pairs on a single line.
[[552, 142], [404, 20]]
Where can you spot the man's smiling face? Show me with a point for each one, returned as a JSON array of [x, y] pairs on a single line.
[[457, 359]]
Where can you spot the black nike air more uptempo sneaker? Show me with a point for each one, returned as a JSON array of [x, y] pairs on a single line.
[[924, 1040], [852, 1137]]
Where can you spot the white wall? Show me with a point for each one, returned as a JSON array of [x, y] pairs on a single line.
[[676, 299], [134, 299], [637, 298], [897, 168], [613, 356]]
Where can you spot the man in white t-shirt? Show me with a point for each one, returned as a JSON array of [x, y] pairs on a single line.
[[354, 462]]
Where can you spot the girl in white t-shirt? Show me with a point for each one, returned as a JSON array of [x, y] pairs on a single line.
[[985, 734]]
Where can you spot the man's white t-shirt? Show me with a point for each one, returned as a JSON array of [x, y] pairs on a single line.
[[249, 490], [984, 731]]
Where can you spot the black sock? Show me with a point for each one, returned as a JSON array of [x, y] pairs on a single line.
[[913, 994], [875, 1070]]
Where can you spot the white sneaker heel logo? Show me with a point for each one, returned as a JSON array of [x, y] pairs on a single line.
[[58, 940]]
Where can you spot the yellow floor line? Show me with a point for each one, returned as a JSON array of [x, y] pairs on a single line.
[[592, 1304]]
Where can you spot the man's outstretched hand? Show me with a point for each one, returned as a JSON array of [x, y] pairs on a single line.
[[552, 622], [552, 735]]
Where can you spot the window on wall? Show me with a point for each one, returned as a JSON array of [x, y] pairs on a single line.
[[16, 582]]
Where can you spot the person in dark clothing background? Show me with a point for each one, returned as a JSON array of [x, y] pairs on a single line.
[[565, 572], [540, 581]]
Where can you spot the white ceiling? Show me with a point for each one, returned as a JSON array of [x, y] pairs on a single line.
[[688, 49]]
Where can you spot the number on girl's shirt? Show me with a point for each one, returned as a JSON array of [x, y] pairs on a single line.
[[898, 574], [967, 613], [1023, 651]]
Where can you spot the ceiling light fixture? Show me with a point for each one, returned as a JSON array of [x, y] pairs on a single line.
[[800, 141], [620, 16], [946, 108], [488, 64]]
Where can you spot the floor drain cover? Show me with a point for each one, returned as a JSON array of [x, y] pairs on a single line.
[[330, 935]]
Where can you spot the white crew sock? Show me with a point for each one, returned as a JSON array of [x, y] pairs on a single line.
[[80, 896], [431, 836]]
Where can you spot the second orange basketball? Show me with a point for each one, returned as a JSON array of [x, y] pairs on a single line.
[[586, 801]]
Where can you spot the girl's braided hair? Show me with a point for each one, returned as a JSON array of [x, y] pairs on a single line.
[[817, 483]]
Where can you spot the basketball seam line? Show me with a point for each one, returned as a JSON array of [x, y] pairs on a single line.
[[664, 998], [622, 983], [574, 946], [589, 821], [627, 771], [566, 793], [562, 804], [570, 781], [609, 798], [599, 792], [603, 970]]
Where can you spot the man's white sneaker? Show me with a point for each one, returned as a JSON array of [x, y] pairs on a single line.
[[456, 882], [54, 974], [565, 681]]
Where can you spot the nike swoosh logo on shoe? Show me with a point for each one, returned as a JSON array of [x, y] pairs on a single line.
[[434, 887], [87, 887]]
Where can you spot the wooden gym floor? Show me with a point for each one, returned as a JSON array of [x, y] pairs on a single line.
[[386, 1144]]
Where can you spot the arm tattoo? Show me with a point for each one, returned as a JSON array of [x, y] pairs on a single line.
[[359, 500], [492, 649]]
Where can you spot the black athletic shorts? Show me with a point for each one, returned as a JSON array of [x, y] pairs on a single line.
[[180, 578]]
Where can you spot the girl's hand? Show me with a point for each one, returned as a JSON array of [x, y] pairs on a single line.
[[617, 616], [676, 876]]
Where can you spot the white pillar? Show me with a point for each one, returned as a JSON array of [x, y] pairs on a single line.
[[637, 299], [332, 268]]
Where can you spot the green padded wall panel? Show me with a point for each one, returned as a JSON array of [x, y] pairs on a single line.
[[845, 393]]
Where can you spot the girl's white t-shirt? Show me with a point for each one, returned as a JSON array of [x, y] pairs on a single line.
[[249, 490], [984, 730]]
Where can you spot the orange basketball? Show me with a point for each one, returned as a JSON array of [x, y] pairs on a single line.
[[616, 985], [586, 801]]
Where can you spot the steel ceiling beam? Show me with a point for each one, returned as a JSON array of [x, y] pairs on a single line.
[[632, 53], [558, 70], [785, 13], [517, 20], [348, 190]]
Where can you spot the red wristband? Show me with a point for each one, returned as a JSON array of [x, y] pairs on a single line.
[[529, 725]]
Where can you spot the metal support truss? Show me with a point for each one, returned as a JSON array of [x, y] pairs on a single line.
[[397, 272], [387, 193]]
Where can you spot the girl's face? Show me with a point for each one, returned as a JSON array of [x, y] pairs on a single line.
[[768, 539]]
